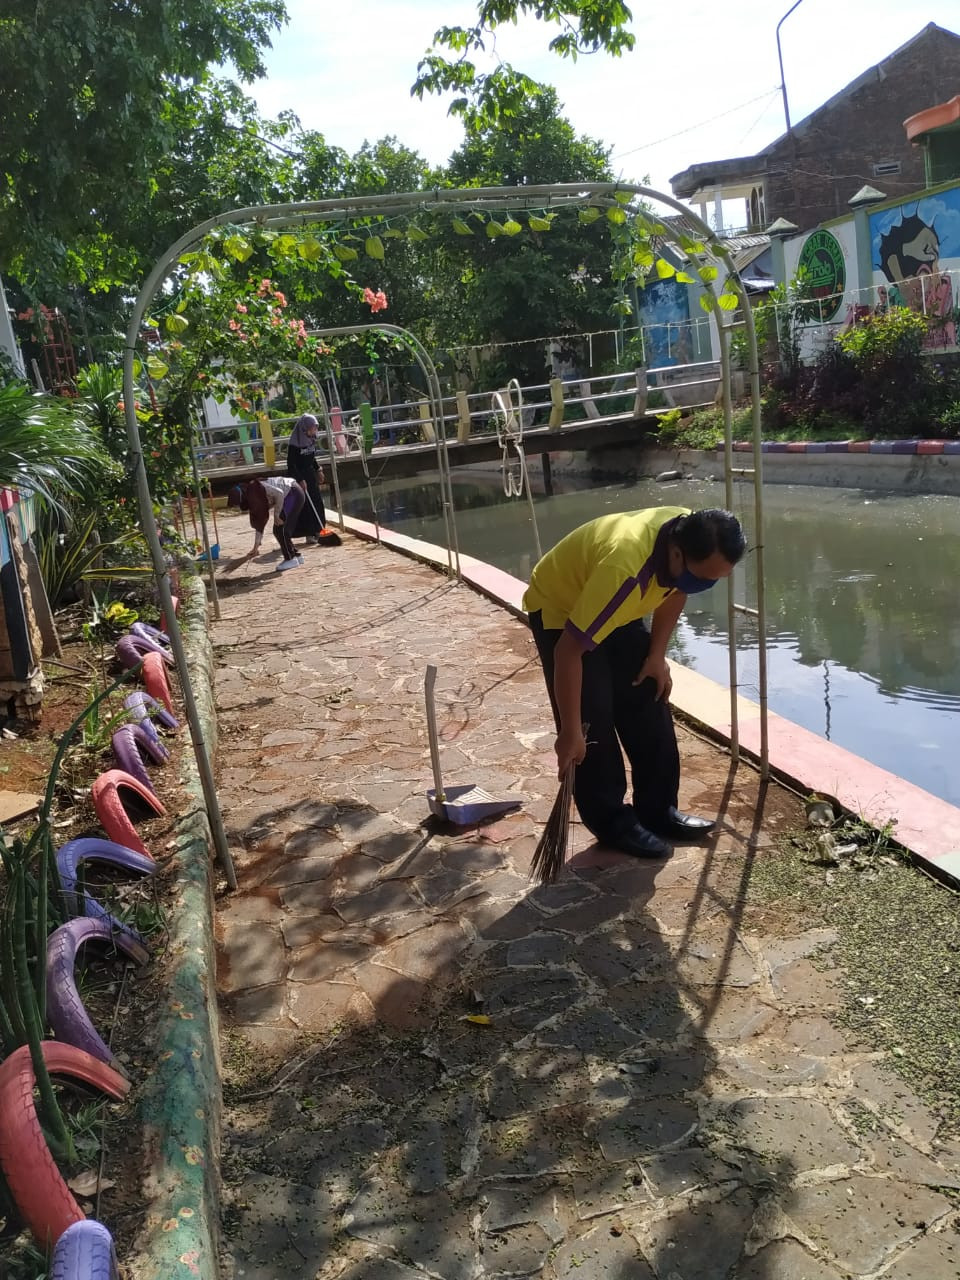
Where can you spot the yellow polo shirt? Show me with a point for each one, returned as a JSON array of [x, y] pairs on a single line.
[[605, 574]]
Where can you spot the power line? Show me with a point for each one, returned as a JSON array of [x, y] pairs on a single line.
[[770, 93]]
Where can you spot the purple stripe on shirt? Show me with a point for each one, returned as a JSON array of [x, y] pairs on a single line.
[[619, 596]]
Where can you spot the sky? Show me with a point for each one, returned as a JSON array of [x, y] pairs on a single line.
[[701, 85]]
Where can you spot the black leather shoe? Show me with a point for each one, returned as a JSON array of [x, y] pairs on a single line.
[[639, 843], [683, 826]]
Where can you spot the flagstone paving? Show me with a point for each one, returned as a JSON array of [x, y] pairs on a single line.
[[441, 1070]]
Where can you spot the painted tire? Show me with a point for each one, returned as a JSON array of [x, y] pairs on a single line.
[[65, 1010], [93, 849], [155, 680], [148, 743], [142, 645], [145, 709], [148, 632], [114, 818], [45, 1201], [130, 743], [84, 1252], [126, 652]]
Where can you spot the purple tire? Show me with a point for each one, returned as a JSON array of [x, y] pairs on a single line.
[[84, 1252], [149, 632], [95, 849], [141, 645], [127, 653], [65, 1010], [130, 743], [143, 707]]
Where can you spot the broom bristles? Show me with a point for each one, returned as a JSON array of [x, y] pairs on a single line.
[[551, 852]]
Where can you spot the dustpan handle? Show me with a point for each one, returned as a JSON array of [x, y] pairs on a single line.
[[429, 683]]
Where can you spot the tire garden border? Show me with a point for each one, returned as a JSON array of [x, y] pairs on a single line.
[[178, 1106]]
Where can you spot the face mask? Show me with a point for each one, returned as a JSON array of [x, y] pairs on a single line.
[[690, 584]]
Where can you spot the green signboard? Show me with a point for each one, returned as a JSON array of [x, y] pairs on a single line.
[[824, 275]]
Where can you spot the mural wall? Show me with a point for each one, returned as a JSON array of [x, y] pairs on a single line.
[[828, 259], [915, 252]]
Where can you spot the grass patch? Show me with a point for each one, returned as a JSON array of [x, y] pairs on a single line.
[[898, 946]]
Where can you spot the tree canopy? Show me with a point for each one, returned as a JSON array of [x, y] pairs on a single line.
[[95, 94]]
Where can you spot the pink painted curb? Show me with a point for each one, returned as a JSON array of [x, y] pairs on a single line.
[[926, 825]]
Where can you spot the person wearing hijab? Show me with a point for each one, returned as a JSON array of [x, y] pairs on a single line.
[[603, 604], [302, 465], [279, 496]]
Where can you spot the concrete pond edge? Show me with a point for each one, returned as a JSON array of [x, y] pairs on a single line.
[[178, 1106]]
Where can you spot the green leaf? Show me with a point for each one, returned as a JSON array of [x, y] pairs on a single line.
[[623, 197], [708, 273], [616, 215], [392, 233], [664, 269], [728, 302], [310, 249], [284, 246], [643, 256], [238, 247], [708, 302], [683, 278], [512, 227], [156, 368], [461, 228], [416, 235], [175, 323], [494, 229], [588, 215], [539, 224], [374, 247], [345, 253]]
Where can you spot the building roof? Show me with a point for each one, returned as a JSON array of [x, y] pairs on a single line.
[[944, 115], [736, 177]]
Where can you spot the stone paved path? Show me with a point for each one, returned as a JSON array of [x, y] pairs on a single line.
[[659, 1089]]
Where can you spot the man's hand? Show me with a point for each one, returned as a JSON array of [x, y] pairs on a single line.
[[657, 669], [571, 747]]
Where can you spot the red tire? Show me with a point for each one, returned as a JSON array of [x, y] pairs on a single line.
[[114, 818], [66, 1012], [155, 680], [45, 1201], [93, 849], [84, 1252]]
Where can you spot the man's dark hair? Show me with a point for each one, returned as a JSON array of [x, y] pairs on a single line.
[[701, 533]]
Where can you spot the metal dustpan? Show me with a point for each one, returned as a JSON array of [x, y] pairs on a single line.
[[460, 805]]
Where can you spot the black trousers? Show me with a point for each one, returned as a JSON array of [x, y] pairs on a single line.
[[618, 712], [313, 517]]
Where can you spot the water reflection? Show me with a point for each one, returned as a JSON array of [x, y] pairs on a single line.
[[862, 622]]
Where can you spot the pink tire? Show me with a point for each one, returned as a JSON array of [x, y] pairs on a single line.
[[155, 680], [114, 818], [65, 1010], [144, 710], [44, 1200], [84, 1252], [131, 744], [93, 849]]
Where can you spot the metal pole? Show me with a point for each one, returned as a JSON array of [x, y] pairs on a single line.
[[724, 343], [783, 82], [198, 487]]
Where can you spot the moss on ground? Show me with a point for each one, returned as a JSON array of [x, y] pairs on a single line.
[[898, 947]]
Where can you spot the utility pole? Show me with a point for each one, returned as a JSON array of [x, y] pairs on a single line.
[[783, 82]]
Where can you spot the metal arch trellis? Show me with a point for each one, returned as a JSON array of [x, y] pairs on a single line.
[[507, 407], [550, 196]]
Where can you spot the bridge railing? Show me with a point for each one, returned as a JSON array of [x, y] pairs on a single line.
[[471, 415]]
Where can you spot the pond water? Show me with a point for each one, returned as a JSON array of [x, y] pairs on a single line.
[[863, 623]]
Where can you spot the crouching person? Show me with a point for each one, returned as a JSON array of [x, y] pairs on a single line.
[[280, 498]]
